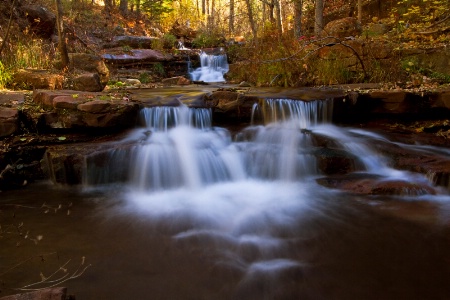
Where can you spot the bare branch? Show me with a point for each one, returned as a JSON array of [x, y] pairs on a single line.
[[337, 41]]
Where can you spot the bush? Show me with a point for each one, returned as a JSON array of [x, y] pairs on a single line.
[[5, 76]]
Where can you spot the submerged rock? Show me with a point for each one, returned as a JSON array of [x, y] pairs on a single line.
[[369, 184], [55, 293]]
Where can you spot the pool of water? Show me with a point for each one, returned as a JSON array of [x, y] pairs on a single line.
[[248, 239]]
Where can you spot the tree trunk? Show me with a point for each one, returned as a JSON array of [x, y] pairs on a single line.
[[318, 18], [123, 7], [298, 10], [231, 20], [212, 12], [62, 36], [108, 6], [8, 29], [138, 6], [278, 17], [271, 12], [360, 11], [203, 7], [251, 18]]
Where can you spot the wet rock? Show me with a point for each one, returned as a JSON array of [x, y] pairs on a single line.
[[9, 121], [66, 164], [41, 21], [440, 99], [401, 188], [334, 161], [19, 174], [369, 184], [133, 82], [56, 293], [179, 80], [230, 105], [88, 82], [245, 84], [342, 28], [38, 79]]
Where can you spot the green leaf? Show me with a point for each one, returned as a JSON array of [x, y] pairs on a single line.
[[62, 138]]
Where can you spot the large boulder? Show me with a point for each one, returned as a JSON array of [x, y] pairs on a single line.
[[182, 31], [88, 82], [92, 64], [342, 28], [38, 79]]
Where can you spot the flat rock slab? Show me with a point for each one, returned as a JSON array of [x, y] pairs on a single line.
[[38, 79], [73, 109], [9, 121], [11, 98], [137, 42], [137, 56]]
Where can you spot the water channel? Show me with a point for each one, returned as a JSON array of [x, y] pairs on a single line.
[[191, 211]]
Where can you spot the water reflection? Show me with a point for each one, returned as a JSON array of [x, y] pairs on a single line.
[[200, 216], [303, 242]]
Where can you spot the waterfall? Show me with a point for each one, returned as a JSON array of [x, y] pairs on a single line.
[[162, 118], [183, 150], [179, 148], [300, 113], [212, 67]]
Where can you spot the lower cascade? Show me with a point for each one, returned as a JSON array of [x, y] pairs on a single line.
[[178, 148], [249, 214]]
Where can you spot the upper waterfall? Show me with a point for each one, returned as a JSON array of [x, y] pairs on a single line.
[[213, 67]]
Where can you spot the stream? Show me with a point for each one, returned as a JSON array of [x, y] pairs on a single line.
[[190, 211]]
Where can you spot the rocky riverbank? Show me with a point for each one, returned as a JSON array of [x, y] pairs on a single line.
[[63, 126]]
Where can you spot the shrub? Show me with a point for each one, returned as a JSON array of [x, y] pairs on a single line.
[[5, 76]]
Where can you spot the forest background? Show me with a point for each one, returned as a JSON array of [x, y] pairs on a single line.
[[269, 42]]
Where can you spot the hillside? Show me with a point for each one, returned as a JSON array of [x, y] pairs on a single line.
[[414, 38]]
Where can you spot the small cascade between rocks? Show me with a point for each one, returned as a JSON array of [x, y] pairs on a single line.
[[179, 148], [213, 67]]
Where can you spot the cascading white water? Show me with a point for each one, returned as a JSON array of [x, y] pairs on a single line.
[[212, 68], [183, 150], [243, 201]]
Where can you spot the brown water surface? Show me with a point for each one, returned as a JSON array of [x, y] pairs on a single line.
[[337, 247]]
